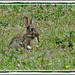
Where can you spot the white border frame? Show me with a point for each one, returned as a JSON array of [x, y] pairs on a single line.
[[39, 70], [39, 1]]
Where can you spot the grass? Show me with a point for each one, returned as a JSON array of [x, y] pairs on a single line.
[[54, 23]]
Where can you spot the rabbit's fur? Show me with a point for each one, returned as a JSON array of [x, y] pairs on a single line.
[[27, 40]]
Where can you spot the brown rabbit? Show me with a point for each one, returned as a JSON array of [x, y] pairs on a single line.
[[28, 40]]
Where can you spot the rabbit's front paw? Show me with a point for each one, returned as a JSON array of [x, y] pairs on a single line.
[[29, 47]]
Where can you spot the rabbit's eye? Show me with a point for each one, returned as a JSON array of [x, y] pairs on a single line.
[[31, 29]]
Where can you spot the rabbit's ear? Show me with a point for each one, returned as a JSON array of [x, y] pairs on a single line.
[[31, 20], [26, 21]]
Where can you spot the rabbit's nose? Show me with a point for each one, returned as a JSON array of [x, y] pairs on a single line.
[[37, 34]]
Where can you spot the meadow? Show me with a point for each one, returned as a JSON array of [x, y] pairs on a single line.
[[56, 46]]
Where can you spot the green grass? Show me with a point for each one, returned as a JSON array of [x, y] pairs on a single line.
[[53, 23]]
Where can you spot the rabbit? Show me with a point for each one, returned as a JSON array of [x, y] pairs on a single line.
[[26, 40]]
